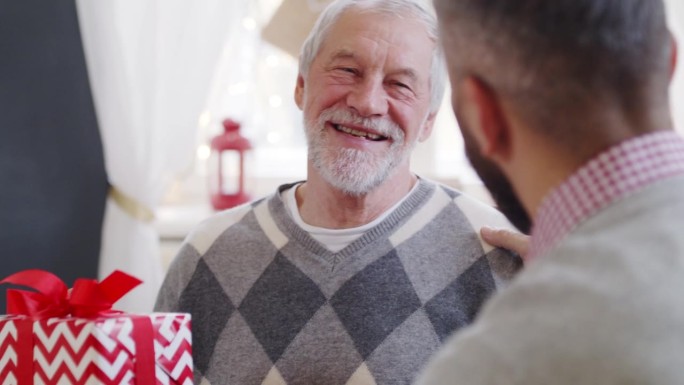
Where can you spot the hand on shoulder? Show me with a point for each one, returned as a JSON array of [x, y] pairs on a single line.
[[507, 239]]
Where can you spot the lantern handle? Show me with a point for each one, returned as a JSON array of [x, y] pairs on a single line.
[[230, 125]]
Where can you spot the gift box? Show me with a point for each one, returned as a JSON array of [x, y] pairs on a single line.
[[68, 337]]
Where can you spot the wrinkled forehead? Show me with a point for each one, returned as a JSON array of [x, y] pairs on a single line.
[[360, 32]]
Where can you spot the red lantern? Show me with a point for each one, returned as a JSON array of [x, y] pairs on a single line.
[[227, 171]]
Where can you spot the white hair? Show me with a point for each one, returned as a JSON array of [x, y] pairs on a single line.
[[398, 8]]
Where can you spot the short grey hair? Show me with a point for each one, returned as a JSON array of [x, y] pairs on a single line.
[[407, 8]]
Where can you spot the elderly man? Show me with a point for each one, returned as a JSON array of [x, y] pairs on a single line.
[[356, 275], [568, 101]]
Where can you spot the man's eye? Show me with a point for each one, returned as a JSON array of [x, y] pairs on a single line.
[[348, 70], [402, 85]]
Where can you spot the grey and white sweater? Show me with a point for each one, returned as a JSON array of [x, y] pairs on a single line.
[[270, 305]]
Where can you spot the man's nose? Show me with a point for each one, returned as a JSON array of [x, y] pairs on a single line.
[[368, 98]]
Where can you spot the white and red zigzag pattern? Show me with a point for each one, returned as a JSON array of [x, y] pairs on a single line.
[[173, 349], [8, 353], [84, 352]]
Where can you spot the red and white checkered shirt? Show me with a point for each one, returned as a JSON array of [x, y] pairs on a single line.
[[608, 177]]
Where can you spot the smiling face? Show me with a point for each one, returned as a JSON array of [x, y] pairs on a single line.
[[366, 99]]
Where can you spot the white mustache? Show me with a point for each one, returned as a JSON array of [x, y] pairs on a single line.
[[382, 126]]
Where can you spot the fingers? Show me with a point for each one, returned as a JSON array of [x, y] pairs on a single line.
[[507, 239]]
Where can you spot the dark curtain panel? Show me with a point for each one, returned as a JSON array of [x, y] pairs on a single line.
[[52, 178]]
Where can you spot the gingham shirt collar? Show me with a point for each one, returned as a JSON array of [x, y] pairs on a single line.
[[608, 177]]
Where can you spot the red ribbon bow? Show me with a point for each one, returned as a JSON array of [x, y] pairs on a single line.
[[87, 299], [51, 298]]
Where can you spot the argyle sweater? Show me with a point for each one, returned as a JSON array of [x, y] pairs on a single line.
[[270, 305]]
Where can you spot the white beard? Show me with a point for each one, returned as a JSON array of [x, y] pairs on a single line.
[[354, 171]]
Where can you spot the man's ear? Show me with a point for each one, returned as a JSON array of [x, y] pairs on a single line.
[[299, 92], [428, 125], [489, 124]]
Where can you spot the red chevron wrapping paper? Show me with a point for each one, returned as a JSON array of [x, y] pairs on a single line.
[[82, 351]]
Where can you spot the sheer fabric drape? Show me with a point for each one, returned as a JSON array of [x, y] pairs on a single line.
[[150, 65]]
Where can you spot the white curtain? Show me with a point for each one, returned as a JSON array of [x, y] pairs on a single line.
[[150, 64]]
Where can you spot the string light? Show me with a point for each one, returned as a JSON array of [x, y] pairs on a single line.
[[204, 119], [249, 23], [203, 152]]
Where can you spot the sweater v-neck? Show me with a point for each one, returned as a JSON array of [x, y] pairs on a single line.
[[381, 231]]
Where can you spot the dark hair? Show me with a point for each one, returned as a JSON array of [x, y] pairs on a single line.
[[560, 56]]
